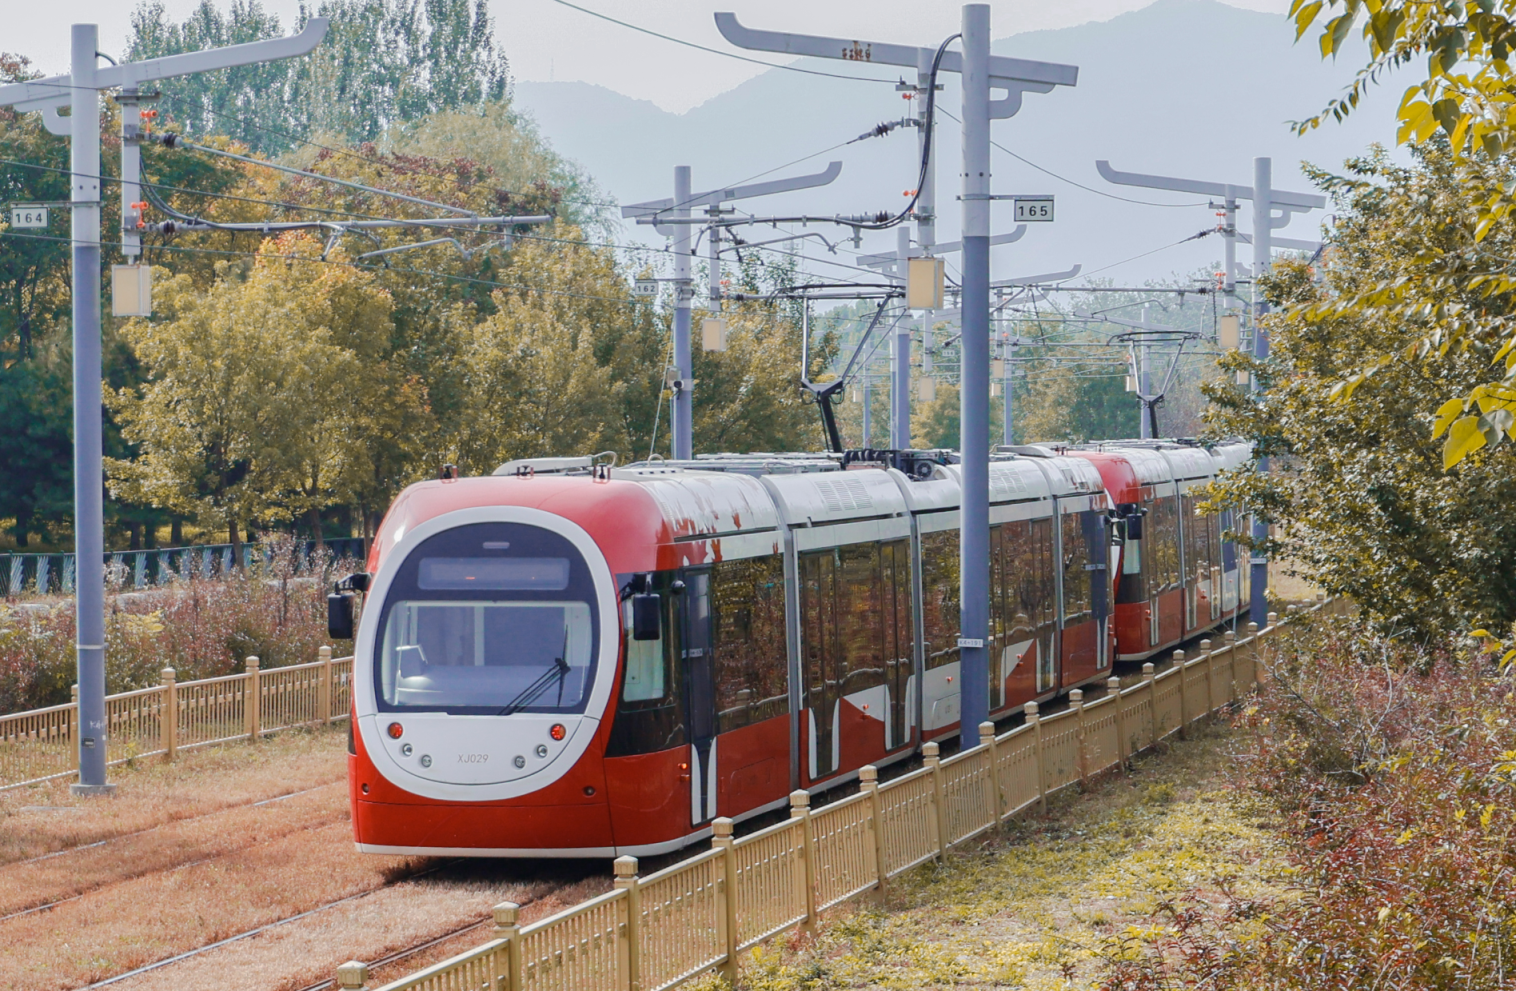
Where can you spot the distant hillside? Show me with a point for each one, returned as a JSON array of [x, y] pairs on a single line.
[[1183, 87]]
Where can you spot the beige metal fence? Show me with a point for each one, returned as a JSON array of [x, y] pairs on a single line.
[[172, 716], [698, 915]]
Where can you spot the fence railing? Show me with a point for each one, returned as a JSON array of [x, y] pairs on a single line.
[[656, 932], [41, 574], [166, 718]]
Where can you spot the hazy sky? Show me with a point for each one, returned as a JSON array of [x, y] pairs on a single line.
[[545, 40]]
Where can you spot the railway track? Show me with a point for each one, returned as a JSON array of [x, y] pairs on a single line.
[[162, 825]]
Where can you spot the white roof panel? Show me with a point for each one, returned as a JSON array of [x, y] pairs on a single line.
[[835, 496], [698, 503]]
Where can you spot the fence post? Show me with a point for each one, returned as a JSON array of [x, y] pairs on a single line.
[[352, 976], [507, 927], [1210, 686], [1113, 689], [800, 808], [168, 714], [1230, 639], [930, 757], [1076, 702], [324, 692], [868, 779], [996, 800], [1184, 696], [73, 724], [252, 700], [631, 946], [1152, 687], [721, 839], [1259, 675], [1030, 709]]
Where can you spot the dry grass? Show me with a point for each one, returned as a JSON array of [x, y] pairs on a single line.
[[1034, 906], [369, 928], [125, 925], [44, 818], [189, 858]]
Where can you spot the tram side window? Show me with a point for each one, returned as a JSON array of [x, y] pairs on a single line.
[[1161, 534], [1197, 539], [939, 596], [752, 681], [1076, 574]]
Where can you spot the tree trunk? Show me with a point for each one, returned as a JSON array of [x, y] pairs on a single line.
[[135, 532], [176, 533], [236, 541], [314, 515]]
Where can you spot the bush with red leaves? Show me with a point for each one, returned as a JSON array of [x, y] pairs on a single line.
[[1391, 773], [202, 627]]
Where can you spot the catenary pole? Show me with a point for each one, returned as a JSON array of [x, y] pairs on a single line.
[[80, 91], [682, 419], [974, 391], [900, 379], [89, 481], [980, 71], [1263, 223]]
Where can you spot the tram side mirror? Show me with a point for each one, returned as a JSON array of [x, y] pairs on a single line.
[[1134, 527], [339, 616], [647, 616]]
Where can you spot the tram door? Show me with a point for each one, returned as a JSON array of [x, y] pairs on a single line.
[[699, 674]]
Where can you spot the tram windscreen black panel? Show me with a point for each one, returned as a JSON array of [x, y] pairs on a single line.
[[489, 618]]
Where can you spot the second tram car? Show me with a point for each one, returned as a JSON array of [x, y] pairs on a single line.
[[569, 659]]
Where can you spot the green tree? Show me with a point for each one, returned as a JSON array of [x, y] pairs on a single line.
[[382, 62], [1465, 98], [1359, 498], [262, 394]]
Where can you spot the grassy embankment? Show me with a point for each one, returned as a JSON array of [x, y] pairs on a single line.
[[1353, 826]]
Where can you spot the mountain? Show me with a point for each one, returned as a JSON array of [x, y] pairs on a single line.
[[1190, 88]]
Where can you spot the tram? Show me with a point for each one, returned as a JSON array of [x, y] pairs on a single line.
[[571, 659]]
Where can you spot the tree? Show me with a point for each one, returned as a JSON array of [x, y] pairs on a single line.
[[266, 397], [1359, 498], [1467, 99], [382, 62]]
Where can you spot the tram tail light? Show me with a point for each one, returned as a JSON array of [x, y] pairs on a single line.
[[396, 731], [557, 732]]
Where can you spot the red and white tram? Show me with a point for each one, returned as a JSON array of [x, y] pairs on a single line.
[[564, 659]]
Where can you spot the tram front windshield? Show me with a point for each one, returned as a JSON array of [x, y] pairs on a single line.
[[489, 619]]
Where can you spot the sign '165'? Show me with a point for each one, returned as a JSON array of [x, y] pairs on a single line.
[[1033, 211]]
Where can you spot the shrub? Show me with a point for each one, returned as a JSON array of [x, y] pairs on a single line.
[[202, 627], [1391, 774]]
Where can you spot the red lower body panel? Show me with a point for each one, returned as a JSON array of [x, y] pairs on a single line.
[[490, 827]]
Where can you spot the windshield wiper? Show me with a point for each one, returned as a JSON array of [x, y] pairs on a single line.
[[529, 694]]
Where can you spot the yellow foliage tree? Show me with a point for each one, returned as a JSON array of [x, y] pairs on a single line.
[[266, 397]]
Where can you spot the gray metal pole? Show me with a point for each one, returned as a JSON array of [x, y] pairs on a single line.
[[1263, 213], [926, 203], [682, 419], [89, 485], [131, 173], [1008, 411], [868, 410], [1229, 280], [900, 384], [974, 388], [1145, 382]]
